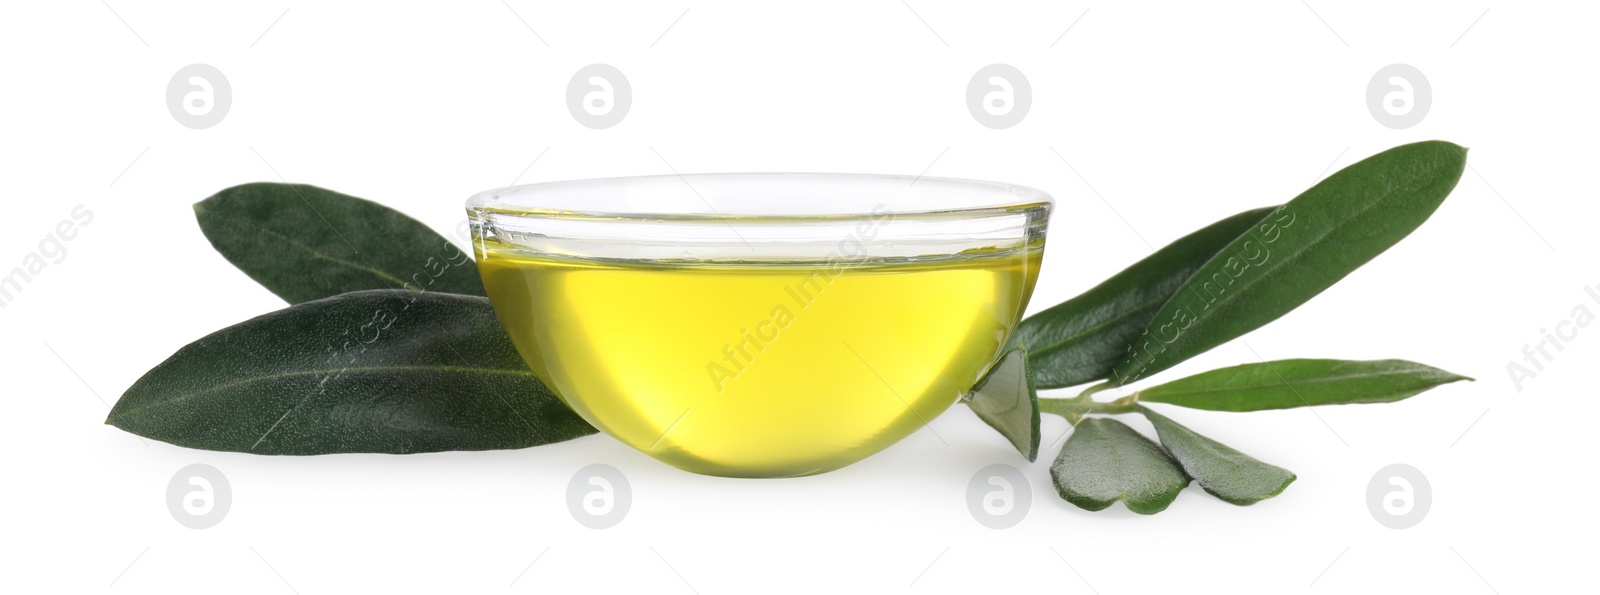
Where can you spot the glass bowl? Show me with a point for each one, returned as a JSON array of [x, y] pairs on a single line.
[[763, 324]]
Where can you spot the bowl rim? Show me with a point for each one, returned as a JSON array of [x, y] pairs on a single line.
[[989, 198]]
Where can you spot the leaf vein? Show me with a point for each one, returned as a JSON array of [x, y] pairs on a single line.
[[325, 372]]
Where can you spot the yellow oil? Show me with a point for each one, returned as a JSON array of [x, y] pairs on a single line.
[[759, 370]]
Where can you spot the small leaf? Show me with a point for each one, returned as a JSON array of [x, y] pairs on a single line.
[[1082, 339], [1233, 476], [1289, 383], [385, 371], [305, 243], [1105, 461], [1301, 249], [1005, 399]]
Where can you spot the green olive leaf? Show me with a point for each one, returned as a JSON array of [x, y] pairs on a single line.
[[1289, 383], [1082, 339], [305, 243], [1105, 461], [1228, 474], [381, 371], [1006, 400], [1299, 250]]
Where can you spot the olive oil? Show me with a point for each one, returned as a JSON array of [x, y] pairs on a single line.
[[763, 369]]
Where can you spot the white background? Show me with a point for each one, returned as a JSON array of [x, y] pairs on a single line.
[[1177, 114]]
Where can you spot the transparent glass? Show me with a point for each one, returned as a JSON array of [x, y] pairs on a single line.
[[760, 325]]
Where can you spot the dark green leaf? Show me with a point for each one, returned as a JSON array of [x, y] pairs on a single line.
[[1299, 383], [1083, 338], [386, 371], [1105, 461], [1233, 476], [1301, 249], [305, 243], [1005, 399]]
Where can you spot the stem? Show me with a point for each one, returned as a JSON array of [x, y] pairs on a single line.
[[1076, 407]]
